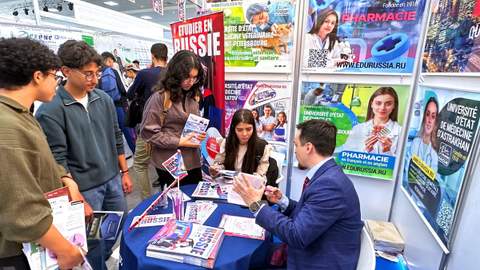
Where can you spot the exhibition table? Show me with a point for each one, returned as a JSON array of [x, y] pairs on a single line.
[[235, 252]]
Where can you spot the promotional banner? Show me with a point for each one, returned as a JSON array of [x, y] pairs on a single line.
[[369, 119], [204, 36], [441, 139], [362, 36], [52, 38], [452, 43], [258, 33], [125, 49], [270, 104]]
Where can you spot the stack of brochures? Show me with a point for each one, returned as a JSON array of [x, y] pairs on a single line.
[[385, 236], [199, 211], [186, 242], [211, 190], [242, 227]]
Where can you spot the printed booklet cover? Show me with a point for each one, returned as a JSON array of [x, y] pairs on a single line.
[[104, 225], [199, 211], [195, 124], [242, 227], [186, 242]]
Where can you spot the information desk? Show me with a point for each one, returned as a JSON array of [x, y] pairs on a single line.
[[235, 252]]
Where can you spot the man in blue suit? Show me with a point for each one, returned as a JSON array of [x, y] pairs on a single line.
[[322, 230]]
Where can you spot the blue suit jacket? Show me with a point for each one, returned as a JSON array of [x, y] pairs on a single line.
[[322, 230]]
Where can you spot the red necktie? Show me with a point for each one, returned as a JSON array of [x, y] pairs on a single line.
[[305, 184]]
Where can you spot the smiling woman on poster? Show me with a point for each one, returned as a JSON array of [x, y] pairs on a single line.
[[322, 38], [424, 144], [379, 134]]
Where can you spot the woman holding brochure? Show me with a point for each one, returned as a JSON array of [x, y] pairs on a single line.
[[176, 96], [243, 150]]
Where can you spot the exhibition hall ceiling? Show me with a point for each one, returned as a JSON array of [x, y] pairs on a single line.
[[22, 9]]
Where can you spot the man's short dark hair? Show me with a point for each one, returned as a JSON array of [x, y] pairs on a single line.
[[76, 54], [106, 55], [322, 134], [20, 58], [159, 51]]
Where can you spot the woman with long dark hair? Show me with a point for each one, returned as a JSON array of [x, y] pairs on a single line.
[[380, 132], [177, 95], [243, 150], [323, 37]]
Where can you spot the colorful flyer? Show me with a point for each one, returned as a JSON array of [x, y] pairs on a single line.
[[441, 139], [270, 104], [175, 165], [362, 36], [369, 119], [258, 33], [204, 36], [453, 41]]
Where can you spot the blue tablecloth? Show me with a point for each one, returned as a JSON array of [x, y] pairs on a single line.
[[235, 252]]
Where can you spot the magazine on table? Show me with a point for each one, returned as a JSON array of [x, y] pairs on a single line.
[[242, 227], [186, 242], [69, 219], [104, 225], [254, 180], [199, 211], [195, 124], [212, 190], [152, 220]]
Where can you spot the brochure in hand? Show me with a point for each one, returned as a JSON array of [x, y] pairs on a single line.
[[186, 242], [242, 227], [195, 124], [254, 180], [212, 190], [69, 219], [104, 225]]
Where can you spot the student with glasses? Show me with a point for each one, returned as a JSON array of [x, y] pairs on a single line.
[[27, 167], [83, 133], [162, 127]]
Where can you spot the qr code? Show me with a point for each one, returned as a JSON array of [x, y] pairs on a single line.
[[317, 58], [445, 217]]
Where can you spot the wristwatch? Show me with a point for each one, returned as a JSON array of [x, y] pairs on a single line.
[[255, 206]]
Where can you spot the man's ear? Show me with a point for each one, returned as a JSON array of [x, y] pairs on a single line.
[[65, 71], [38, 76]]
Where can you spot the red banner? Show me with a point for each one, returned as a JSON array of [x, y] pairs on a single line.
[[204, 36]]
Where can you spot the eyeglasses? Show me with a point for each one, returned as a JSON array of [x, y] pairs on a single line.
[[89, 75], [193, 80], [58, 78]]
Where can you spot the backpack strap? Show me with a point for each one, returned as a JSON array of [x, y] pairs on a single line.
[[167, 104]]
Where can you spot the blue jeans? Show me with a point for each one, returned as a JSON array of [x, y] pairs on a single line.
[[129, 133], [106, 197]]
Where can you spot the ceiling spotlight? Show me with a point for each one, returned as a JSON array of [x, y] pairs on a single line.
[[59, 7], [15, 13], [70, 6], [26, 11], [45, 8]]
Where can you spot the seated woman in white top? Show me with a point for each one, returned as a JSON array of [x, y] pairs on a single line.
[[380, 133], [243, 151]]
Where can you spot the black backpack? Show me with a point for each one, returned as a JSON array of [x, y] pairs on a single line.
[[272, 171]]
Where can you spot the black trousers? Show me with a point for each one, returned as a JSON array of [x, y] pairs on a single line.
[[18, 262], [193, 177]]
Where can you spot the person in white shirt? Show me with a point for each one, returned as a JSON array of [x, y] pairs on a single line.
[[323, 37], [380, 133], [268, 123], [424, 144]]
